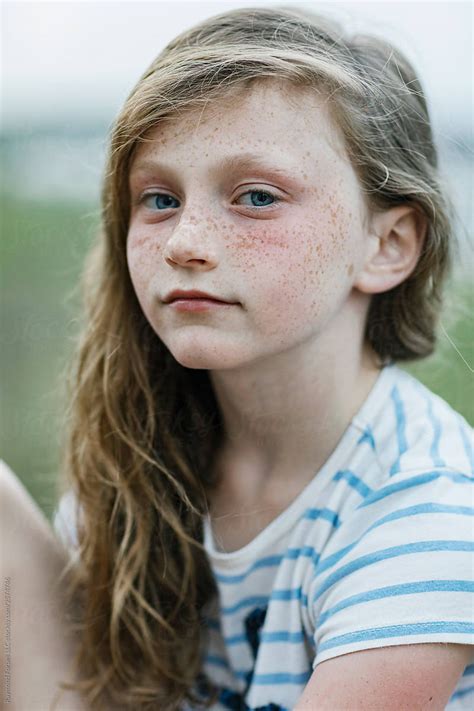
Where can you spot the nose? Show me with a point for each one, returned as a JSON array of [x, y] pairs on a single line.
[[191, 245]]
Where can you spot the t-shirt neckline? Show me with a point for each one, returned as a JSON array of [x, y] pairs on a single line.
[[283, 522]]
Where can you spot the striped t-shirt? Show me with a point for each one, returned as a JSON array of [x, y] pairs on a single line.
[[377, 550]]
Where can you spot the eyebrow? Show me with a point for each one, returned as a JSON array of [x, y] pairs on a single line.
[[240, 161]]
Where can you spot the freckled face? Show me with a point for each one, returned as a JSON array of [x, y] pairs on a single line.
[[282, 236]]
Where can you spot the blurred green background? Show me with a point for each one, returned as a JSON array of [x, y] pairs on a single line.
[[42, 250]]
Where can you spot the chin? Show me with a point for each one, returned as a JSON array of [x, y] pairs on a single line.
[[205, 360], [205, 356]]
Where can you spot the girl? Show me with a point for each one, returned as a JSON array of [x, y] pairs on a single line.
[[265, 512]]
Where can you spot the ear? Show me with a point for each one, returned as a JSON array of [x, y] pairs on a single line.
[[394, 246]]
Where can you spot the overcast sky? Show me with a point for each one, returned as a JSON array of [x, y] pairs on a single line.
[[78, 60]]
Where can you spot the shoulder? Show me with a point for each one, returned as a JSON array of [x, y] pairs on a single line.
[[420, 496], [21, 516], [31, 540], [398, 569], [415, 429], [24, 525], [413, 450]]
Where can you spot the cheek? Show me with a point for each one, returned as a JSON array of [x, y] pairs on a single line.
[[142, 248], [299, 253], [301, 269], [275, 280], [141, 257], [263, 256], [256, 245], [332, 240]]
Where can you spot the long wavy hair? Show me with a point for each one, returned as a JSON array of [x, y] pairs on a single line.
[[142, 431]]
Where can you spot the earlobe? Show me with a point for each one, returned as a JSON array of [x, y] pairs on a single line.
[[394, 246]]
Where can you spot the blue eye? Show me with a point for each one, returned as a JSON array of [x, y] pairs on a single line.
[[261, 196], [160, 201]]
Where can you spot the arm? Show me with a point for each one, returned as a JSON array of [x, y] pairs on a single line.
[[412, 676], [32, 560]]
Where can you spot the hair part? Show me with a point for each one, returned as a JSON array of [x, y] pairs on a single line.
[[142, 431]]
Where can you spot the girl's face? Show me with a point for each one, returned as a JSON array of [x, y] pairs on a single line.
[[253, 202]]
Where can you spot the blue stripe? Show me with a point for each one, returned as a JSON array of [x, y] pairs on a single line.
[[367, 436], [275, 678], [424, 586], [413, 481], [392, 552], [287, 594], [434, 449], [467, 444], [216, 661], [354, 481], [469, 670], [267, 562], [253, 601], [302, 552], [401, 422], [397, 631], [236, 639], [283, 636], [281, 678], [326, 563], [269, 637], [261, 601], [462, 692], [283, 595], [261, 679], [326, 514]]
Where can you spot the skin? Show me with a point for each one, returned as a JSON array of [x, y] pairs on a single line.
[[41, 646], [408, 677]]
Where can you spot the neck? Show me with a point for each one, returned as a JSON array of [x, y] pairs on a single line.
[[288, 416]]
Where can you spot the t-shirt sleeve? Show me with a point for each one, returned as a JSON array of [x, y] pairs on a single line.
[[399, 569], [65, 521]]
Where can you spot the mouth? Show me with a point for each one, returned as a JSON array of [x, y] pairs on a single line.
[[196, 298], [193, 295], [198, 304]]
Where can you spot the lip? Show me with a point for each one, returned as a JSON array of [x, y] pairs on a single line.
[[194, 305], [192, 295]]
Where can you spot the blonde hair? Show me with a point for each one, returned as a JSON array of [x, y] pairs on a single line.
[[143, 430]]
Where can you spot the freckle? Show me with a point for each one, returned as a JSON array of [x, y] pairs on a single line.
[[350, 271]]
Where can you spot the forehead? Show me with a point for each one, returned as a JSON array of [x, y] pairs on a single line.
[[268, 116]]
